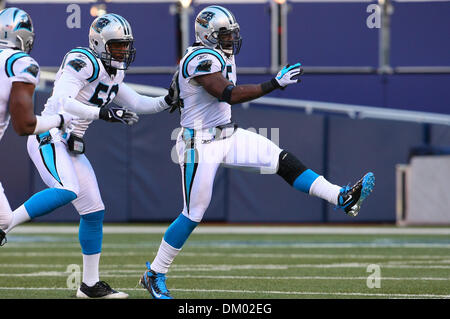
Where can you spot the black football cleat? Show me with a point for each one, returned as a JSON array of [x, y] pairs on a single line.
[[350, 198], [2, 238], [100, 290], [155, 283]]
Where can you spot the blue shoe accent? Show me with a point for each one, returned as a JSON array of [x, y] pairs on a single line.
[[155, 283], [350, 198], [368, 185]]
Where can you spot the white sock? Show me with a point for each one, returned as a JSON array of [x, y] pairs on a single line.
[[19, 216], [90, 269], [164, 258], [324, 189]]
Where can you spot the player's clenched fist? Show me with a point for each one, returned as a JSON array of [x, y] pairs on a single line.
[[118, 114], [289, 74]]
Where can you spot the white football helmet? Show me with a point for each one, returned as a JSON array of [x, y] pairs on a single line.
[[216, 27], [16, 29], [110, 29]]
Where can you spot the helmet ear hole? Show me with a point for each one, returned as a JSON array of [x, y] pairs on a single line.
[[96, 42]]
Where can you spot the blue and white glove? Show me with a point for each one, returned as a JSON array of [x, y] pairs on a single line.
[[289, 74]]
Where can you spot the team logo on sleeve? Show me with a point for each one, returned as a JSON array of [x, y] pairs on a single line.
[[204, 19], [33, 69], [77, 64], [204, 66]]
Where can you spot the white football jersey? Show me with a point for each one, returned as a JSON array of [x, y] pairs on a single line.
[[202, 110], [15, 66], [85, 75]]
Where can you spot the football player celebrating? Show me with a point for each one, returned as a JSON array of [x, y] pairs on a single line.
[[19, 75], [207, 84], [87, 81]]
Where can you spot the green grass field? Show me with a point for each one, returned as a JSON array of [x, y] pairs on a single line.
[[238, 262]]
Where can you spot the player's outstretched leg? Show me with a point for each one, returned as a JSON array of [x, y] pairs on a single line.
[[155, 283], [38, 205], [350, 198], [309, 182]]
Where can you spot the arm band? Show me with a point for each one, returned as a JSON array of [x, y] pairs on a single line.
[[226, 94], [45, 123], [269, 86]]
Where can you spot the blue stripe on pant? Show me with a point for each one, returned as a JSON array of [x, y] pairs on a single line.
[[190, 163], [48, 156]]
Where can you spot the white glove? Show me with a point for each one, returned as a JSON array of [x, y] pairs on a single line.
[[66, 120], [289, 74]]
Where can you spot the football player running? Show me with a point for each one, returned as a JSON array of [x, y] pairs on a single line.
[[19, 75], [87, 81], [208, 139]]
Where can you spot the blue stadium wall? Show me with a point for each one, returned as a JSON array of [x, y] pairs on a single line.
[[139, 181]]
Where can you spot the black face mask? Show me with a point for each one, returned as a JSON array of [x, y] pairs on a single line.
[[230, 40], [127, 56]]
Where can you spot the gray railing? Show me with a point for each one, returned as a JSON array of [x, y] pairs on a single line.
[[352, 111]]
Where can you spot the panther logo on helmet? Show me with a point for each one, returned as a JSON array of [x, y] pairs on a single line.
[[204, 18], [24, 23], [16, 29], [101, 23]]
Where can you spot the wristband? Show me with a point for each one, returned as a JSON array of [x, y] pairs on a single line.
[[269, 86], [61, 125], [168, 100]]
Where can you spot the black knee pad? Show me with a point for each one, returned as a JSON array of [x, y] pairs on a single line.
[[289, 167]]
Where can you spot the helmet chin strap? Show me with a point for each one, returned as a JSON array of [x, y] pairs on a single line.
[[22, 45]]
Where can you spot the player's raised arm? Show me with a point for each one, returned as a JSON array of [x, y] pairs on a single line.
[[216, 85]]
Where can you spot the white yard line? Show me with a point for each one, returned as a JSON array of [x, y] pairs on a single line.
[[318, 293], [119, 274], [393, 258], [224, 267], [299, 293], [248, 244], [237, 229]]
